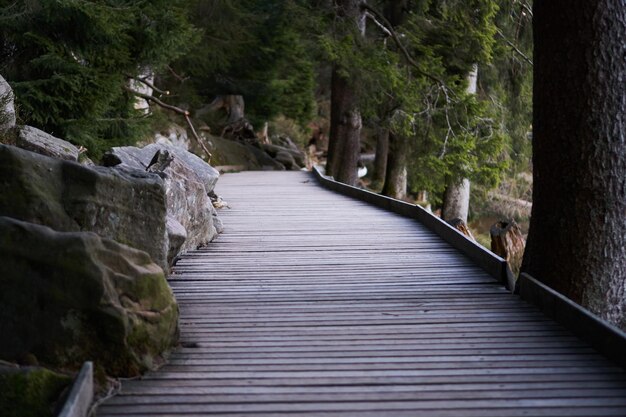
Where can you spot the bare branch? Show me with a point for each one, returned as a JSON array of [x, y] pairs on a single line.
[[175, 75], [515, 48], [380, 25], [149, 84], [176, 110], [389, 29]]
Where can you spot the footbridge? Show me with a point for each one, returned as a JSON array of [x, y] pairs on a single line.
[[314, 303]]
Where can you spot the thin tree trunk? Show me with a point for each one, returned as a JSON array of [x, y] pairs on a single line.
[[456, 197], [396, 175], [456, 201], [577, 236], [382, 153]]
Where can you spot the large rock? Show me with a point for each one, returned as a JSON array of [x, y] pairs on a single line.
[[231, 153], [187, 196], [35, 140], [124, 205], [71, 297], [7, 107], [292, 159]]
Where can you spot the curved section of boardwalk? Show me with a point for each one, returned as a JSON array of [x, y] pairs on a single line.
[[314, 304]]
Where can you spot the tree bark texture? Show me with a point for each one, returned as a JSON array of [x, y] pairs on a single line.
[[395, 177], [508, 242], [382, 152], [345, 124], [456, 201], [577, 238]]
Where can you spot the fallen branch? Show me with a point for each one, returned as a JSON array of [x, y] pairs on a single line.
[[176, 110]]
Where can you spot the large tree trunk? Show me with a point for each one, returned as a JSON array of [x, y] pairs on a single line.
[[456, 201], [577, 236], [456, 196], [395, 177], [345, 124], [382, 152]]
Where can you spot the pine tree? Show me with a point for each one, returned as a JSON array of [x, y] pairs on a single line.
[[69, 62], [253, 48]]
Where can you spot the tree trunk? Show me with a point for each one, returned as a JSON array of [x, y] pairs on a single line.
[[456, 196], [508, 242], [395, 177], [577, 236], [456, 201], [382, 152], [345, 124]]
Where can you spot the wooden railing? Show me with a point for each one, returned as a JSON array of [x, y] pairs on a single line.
[[488, 261]]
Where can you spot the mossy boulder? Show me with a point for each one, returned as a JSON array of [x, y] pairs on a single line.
[[68, 297], [30, 392], [128, 206], [249, 157]]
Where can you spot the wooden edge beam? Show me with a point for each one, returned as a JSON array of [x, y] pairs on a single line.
[[485, 259], [603, 336], [81, 395]]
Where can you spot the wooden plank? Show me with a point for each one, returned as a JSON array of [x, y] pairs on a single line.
[[317, 304]]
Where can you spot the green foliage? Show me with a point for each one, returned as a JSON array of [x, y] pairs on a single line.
[[451, 134], [507, 82], [456, 142], [252, 48], [68, 62]]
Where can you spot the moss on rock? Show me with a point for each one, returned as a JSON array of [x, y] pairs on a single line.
[[72, 297], [30, 392]]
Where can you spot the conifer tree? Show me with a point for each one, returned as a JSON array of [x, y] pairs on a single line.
[[69, 62]]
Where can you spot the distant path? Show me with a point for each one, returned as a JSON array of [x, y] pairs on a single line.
[[314, 304]]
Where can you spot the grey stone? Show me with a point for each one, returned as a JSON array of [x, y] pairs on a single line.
[[287, 160], [189, 204], [177, 236], [291, 158], [35, 140], [175, 136], [68, 297], [7, 106], [125, 205], [140, 158], [232, 153], [186, 194]]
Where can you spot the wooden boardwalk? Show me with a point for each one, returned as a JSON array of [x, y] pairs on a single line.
[[314, 304]]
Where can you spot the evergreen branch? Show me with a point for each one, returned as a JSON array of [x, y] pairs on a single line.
[[149, 84], [176, 110], [373, 13], [515, 48]]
